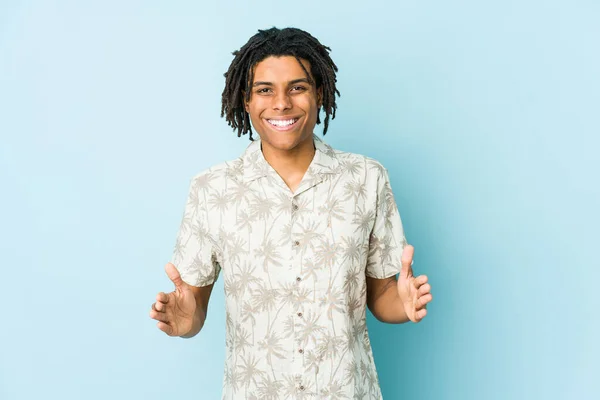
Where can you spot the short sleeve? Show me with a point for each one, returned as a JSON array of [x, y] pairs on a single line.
[[387, 240], [195, 253]]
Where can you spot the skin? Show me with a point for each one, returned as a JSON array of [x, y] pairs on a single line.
[[280, 90]]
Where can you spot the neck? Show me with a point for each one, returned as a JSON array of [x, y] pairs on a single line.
[[290, 165], [294, 160]]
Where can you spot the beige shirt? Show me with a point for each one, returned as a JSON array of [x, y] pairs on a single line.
[[294, 268]]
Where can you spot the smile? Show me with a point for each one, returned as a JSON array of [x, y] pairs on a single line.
[[283, 124]]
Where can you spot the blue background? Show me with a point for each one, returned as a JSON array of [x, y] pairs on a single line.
[[485, 113]]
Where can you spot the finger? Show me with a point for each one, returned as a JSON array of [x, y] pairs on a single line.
[[159, 306], [407, 258], [162, 297], [423, 301], [421, 280], [424, 289], [173, 275], [159, 316], [168, 329], [419, 315]]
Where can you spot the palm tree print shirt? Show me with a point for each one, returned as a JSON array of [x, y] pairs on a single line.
[[294, 267]]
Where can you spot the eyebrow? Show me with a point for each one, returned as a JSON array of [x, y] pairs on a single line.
[[259, 83]]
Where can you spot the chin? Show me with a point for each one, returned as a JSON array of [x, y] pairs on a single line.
[[283, 140]]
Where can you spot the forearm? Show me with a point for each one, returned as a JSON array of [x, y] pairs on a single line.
[[386, 305]]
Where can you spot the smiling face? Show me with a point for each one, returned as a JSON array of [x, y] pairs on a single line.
[[283, 105]]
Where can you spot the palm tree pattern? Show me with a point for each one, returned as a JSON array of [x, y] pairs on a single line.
[[294, 267]]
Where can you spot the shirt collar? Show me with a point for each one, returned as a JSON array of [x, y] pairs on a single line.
[[324, 162]]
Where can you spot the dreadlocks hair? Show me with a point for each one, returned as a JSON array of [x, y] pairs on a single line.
[[277, 42]]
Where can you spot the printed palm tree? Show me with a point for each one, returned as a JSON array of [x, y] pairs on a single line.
[[289, 386], [227, 238], [360, 393], [334, 391], [240, 339], [244, 222], [334, 210], [309, 235], [351, 372], [261, 208], [272, 347], [355, 190], [310, 269], [179, 250], [352, 278], [249, 314], [354, 305], [245, 276], [283, 203], [264, 299], [285, 234], [352, 249], [330, 346], [302, 298], [289, 327], [239, 192], [248, 370], [312, 360], [200, 231], [203, 182], [232, 378], [268, 389], [371, 379], [363, 219], [309, 328], [235, 169], [189, 216], [327, 253], [377, 167], [220, 202], [269, 253], [237, 247], [351, 166], [232, 287]]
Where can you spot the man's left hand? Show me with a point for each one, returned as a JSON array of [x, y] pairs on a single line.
[[414, 292]]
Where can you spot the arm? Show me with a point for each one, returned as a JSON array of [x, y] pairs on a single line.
[[202, 296], [384, 302], [397, 301]]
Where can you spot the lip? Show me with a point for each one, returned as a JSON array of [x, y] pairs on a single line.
[[282, 128]]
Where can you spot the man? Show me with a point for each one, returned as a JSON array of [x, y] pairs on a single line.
[[306, 237]]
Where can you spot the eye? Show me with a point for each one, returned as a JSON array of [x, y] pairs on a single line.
[[298, 88], [263, 90]]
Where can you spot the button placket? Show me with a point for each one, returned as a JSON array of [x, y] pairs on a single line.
[[296, 255]]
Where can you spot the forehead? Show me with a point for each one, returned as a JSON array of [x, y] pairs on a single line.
[[280, 68]]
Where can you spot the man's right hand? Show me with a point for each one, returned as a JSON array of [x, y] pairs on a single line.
[[174, 311]]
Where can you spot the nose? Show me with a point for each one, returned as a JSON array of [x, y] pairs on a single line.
[[282, 101]]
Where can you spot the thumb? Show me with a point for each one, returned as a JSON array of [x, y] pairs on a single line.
[[407, 259], [174, 275]]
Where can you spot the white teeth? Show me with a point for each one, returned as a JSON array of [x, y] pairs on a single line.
[[281, 123]]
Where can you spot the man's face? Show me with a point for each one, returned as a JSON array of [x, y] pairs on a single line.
[[283, 106]]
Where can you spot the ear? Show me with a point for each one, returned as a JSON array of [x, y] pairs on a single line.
[[245, 102], [320, 97]]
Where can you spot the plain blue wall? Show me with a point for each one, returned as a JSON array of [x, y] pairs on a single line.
[[485, 113]]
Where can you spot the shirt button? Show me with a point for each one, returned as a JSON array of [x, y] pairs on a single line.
[[300, 314], [301, 387], [295, 207], [296, 243], [300, 351], [298, 279]]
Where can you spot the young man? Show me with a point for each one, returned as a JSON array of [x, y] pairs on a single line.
[[306, 237]]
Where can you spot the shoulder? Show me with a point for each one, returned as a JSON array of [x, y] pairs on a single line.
[[359, 163], [217, 176]]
